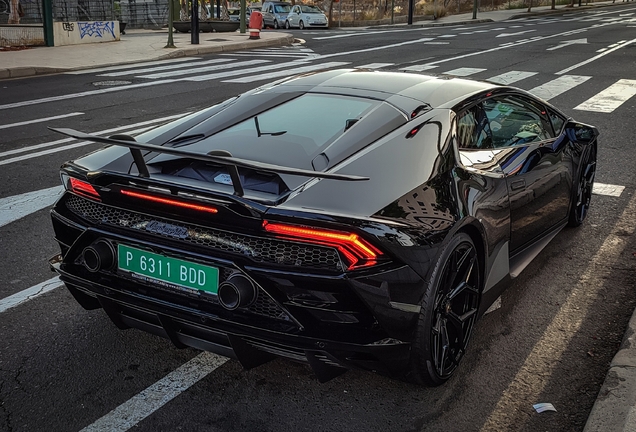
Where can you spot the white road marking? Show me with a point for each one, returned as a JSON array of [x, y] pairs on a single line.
[[563, 44], [465, 71], [40, 120], [383, 47], [418, 68], [18, 206], [198, 70], [64, 148], [557, 86], [132, 65], [543, 362], [590, 60], [140, 406], [166, 67], [339, 36], [374, 65], [29, 294], [102, 132], [610, 98], [511, 77], [447, 36], [285, 73], [607, 189], [514, 34]]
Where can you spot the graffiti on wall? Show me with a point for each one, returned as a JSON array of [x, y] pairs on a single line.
[[96, 28]]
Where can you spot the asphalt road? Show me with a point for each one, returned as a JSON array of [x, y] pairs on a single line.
[[560, 323]]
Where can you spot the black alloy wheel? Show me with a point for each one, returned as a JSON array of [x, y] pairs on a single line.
[[301, 25], [276, 26], [448, 313], [583, 196]]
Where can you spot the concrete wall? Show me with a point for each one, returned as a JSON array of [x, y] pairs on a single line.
[[81, 32], [21, 35]]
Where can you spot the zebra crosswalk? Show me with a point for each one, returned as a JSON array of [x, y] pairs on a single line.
[[233, 69]]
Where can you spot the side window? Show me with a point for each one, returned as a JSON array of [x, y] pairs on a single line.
[[296, 9], [473, 129], [557, 121], [515, 120]]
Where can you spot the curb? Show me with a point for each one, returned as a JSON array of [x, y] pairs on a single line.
[[21, 72], [615, 406], [439, 24], [561, 10]]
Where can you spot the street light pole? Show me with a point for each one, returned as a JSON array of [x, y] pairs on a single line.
[[170, 43], [194, 23], [474, 9]]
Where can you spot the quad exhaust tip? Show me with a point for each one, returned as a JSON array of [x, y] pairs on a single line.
[[237, 291], [99, 256]]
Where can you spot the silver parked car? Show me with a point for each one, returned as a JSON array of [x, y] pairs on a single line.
[[275, 13], [302, 16]]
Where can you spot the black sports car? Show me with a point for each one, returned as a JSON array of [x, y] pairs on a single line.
[[347, 219]]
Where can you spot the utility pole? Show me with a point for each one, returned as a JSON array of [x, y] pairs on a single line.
[[411, 7], [170, 43], [243, 6], [194, 23], [474, 9], [47, 18]]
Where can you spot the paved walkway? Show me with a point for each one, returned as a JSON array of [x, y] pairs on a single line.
[[615, 408]]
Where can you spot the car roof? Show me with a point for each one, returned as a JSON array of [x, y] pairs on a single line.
[[437, 92]]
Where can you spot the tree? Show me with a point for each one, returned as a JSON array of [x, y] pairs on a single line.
[[14, 15], [529, 5]]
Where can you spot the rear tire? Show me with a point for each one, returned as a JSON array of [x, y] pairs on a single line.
[[301, 25], [448, 313], [584, 186], [276, 26], [287, 26]]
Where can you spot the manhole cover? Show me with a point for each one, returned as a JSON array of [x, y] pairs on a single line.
[[110, 83]]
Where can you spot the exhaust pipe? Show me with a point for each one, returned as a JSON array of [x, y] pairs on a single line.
[[237, 291], [99, 256]]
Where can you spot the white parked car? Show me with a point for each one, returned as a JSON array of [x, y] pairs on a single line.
[[303, 16]]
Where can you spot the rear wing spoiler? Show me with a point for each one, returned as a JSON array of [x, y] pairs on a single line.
[[216, 156]]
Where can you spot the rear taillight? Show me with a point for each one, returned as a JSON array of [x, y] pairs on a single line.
[[357, 252], [82, 188], [169, 201]]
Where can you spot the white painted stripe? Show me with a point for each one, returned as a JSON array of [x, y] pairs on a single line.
[[339, 36], [166, 67], [464, 71], [288, 55], [132, 65], [590, 60], [447, 36], [102, 132], [64, 148], [610, 98], [607, 189], [557, 86], [40, 120], [374, 65], [29, 294], [418, 68], [140, 406], [285, 73], [511, 77], [383, 47], [83, 94], [292, 65], [197, 70], [18, 206]]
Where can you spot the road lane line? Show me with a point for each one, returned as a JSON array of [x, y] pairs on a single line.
[[537, 371], [29, 294], [132, 65], [464, 71], [610, 98], [418, 68], [64, 148], [166, 67], [590, 60], [197, 70], [285, 73], [206, 77], [607, 189], [511, 77], [40, 120], [383, 47], [140, 406], [374, 65], [553, 88], [102, 132], [18, 206]]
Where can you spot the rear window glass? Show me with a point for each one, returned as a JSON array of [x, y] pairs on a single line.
[[294, 132]]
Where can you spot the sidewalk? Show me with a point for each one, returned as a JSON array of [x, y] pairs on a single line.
[[615, 407]]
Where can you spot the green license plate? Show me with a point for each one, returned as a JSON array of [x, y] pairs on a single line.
[[167, 271]]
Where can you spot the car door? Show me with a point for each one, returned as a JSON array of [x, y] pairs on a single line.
[[268, 14], [292, 17], [535, 163]]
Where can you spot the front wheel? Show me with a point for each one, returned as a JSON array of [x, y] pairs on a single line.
[[276, 26], [448, 313], [287, 26], [585, 184], [301, 25]]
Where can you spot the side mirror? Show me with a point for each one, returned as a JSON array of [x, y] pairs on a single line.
[[581, 133]]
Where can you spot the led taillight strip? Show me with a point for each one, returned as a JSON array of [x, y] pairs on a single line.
[[83, 188], [358, 252], [169, 201]]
